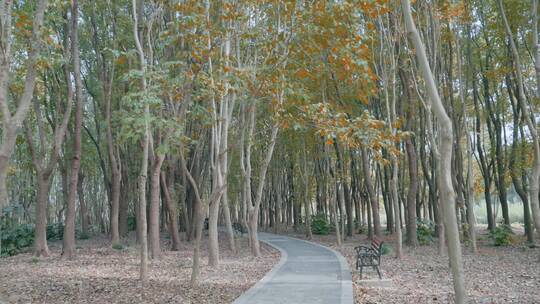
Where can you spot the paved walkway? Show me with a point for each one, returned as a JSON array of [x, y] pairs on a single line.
[[307, 273]]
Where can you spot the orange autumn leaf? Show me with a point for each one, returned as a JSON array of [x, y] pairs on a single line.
[[302, 73]]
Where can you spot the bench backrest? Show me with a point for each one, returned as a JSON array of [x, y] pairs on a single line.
[[376, 244], [239, 227]]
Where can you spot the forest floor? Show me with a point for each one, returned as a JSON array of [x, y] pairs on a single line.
[[495, 275], [100, 274]]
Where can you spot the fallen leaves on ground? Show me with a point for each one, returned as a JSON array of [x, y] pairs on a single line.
[[100, 274], [493, 275]]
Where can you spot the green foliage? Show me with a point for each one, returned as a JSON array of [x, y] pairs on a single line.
[[386, 250], [55, 231], [83, 236], [118, 247], [501, 235], [425, 231], [16, 238], [132, 223], [319, 225]]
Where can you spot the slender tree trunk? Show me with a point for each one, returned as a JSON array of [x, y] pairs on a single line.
[[11, 124], [411, 194], [83, 210], [115, 178], [529, 118], [395, 207], [228, 222], [68, 249], [153, 231], [253, 211], [471, 218], [372, 195], [307, 196], [446, 191], [145, 146], [114, 161], [213, 244], [42, 200], [173, 213]]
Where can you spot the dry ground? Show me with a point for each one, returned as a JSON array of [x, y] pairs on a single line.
[[494, 275], [101, 275]]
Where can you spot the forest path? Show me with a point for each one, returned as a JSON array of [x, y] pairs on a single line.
[[307, 273]]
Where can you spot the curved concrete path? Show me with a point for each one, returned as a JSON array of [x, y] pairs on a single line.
[[307, 273]]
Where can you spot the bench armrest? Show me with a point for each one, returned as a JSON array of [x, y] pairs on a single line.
[[361, 250]]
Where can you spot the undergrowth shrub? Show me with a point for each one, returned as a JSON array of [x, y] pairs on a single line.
[[16, 238], [132, 223], [55, 231], [425, 231], [118, 246], [319, 225], [502, 235], [385, 249]]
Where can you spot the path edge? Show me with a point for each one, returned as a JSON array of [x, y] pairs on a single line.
[[246, 296], [346, 276]]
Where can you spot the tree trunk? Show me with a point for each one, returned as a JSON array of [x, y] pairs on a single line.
[[371, 193], [116, 174], [446, 191], [471, 218], [411, 195], [253, 211], [68, 249], [11, 124], [83, 210], [335, 213], [213, 242], [529, 118], [228, 222], [173, 213], [153, 229], [395, 207], [42, 200], [307, 196], [143, 275]]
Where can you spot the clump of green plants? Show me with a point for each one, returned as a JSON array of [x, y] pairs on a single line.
[[55, 231], [425, 231], [319, 225], [385, 249], [118, 246], [83, 236], [132, 223], [15, 238], [501, 235]]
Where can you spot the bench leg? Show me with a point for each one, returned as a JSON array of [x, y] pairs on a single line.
[[378, 272]]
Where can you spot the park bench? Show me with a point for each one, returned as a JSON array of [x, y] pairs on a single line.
[[369, 256], [239, 228]]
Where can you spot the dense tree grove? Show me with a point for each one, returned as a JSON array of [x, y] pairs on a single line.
[[163, 117]]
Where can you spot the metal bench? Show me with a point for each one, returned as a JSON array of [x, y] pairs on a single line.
[[369, 256], [239, 228]]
